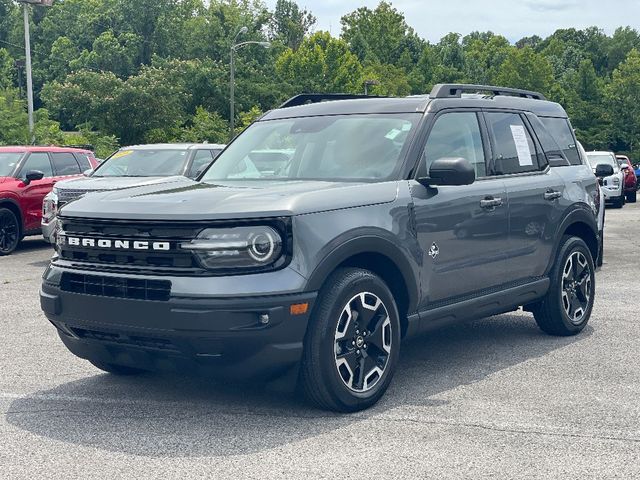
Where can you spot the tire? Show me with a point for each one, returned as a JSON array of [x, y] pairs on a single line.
[[116, 369], [10, 231], [618, 202], [631, 197], [336, 349], [557, 313]]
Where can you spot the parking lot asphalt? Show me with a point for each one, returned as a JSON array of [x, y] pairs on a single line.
[[492, 397]]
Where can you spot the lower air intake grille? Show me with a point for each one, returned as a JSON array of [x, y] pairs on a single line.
[[134, 289]]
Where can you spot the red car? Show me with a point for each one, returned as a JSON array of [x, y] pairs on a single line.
[[27, 174], [630, 180]]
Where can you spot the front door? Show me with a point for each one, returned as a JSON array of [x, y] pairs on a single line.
[[33, 194], [463, 230]]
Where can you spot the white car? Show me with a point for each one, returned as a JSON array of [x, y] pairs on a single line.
[[613, 185], [600, 208]]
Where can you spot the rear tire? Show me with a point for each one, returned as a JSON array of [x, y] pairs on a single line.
[[632, 197], [10, 231], [116, 369], [352, 343], [566, 308]]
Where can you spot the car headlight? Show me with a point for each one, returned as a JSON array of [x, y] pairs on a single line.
[[616, 181], [249, 247], [49, 207]]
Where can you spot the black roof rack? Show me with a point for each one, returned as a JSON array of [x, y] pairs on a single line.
[[454, 90], [306, 98]]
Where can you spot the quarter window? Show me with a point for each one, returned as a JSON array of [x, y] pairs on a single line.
[[560, 129], [37, 161], [456, 135], [65, 164], [201, 159], [514, 149]]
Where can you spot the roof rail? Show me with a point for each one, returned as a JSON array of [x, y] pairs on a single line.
[[454, 90], [306, 98]]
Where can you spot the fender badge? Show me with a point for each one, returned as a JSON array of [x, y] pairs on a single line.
[[434, 250]]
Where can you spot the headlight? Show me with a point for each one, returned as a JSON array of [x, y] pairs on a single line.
[[237, 248], [49, 207], [616, 181]]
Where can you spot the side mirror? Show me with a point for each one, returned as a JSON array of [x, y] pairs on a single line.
[[33, 175], [604, 170], [87, 173], [624, 166], [450, 171]]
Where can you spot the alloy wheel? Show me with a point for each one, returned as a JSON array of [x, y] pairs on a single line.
[[363, 342], [576, 287], [8, 231]]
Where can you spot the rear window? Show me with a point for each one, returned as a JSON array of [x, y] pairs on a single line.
[[65, 164], [83, 160], [560, 130]]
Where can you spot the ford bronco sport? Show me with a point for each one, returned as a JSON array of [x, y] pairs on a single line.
[[327, 233]]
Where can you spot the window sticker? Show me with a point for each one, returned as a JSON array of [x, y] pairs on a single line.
[[522, 145], [393, 134]]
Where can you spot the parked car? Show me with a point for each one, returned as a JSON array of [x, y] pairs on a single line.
[[600, 207], [320, 268], [630, 180], [27, 174], [129, 166], [612, 186]]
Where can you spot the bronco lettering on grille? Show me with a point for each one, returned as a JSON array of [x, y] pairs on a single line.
[[118, 244]]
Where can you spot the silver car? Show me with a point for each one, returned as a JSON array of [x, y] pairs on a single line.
[[129, 167], [613, 185]]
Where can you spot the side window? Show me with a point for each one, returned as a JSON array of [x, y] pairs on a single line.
[[83, 161], [37, 161], [561, 131], [552, 150], [201, 159], [514, 149], [455, 134], [65, 164]]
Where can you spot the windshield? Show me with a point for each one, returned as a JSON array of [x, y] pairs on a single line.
[[8, 162], [602, 158], [143, 163], [337, 148]]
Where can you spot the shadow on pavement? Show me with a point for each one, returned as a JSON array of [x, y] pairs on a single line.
[[153, 415]]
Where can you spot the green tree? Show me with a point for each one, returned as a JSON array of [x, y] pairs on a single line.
[[484, 57], [524, 68], [289, 23], [623, 97], [321, 64], [6, 69], [205, 126]]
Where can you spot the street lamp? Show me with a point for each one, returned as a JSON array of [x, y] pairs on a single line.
[[234, 47], [27, 48]]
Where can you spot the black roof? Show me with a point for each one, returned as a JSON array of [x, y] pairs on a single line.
[[441, 97]]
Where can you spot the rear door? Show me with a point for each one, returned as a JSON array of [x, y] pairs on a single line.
[[462, 230], [33, 194], [534, 191]]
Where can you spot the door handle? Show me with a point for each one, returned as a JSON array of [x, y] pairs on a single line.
[[491, 202], [552, 195]]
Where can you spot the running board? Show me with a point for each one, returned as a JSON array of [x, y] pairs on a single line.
[[491, 304]]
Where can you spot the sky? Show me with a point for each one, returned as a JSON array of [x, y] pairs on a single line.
[[432, 19]]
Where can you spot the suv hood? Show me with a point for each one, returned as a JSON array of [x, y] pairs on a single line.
[[186, 199], [91, 184]]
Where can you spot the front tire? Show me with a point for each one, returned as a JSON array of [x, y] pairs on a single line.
[[566, 308], [618, 202], [10, 231], [632, 197], [352, 343]]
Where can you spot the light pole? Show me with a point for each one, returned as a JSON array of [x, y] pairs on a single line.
[[27, 48], [232, 83]]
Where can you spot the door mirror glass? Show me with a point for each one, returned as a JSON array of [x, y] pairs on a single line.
[[624, 166], [33, 175], [450, 171], [604, 170]]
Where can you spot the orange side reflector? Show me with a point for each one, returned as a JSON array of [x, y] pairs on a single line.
[[299, 308]]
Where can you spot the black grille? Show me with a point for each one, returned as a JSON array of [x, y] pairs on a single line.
[[127, 340], [173, 260], [115, 287]]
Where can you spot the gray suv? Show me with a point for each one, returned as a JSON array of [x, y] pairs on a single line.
[[326, 234]]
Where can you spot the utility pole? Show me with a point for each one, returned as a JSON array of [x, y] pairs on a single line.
[[27, 48]]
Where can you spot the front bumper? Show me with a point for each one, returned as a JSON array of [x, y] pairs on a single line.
[[611, 192], [210, 335], [49, 230]]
